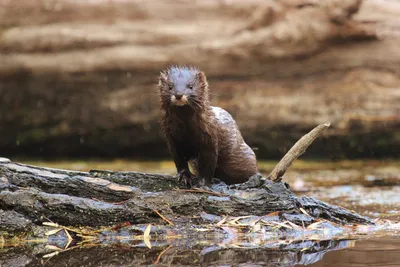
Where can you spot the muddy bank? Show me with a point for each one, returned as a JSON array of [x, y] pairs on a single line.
[[79, 80]]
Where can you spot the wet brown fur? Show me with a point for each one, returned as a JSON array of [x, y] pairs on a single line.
[[194, 134]]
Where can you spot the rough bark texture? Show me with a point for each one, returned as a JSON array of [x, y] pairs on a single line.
[[80, 79], [107, 198]]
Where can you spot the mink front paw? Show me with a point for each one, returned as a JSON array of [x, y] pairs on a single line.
[[185, 177]]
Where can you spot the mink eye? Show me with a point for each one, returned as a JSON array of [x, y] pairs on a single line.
[[170, 86], [190, 86]]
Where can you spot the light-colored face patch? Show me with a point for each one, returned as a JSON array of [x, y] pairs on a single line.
[[179, 102]]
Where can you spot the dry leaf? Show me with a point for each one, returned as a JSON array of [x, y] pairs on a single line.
[[51, 254], [304, 211], [202, 230], [221, 222], [314, 226], [51, 224], [53, 232], [68, 235], [295, 226], [283, 225], [52, 247], [146, 236], [234, 220]]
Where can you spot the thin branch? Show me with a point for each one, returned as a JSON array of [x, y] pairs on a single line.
[[296, 151], [163, 217], [162, 253]]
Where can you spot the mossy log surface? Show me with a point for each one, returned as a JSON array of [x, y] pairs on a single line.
[[30, 195]]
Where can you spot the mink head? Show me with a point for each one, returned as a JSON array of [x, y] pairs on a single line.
[[183, 86]]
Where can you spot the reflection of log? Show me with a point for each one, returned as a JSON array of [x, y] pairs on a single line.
[[136, 254], [84, 84]]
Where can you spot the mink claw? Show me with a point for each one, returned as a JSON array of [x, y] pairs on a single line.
[[185, 177]]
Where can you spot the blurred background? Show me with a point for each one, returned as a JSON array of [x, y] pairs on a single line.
[[78, 78]]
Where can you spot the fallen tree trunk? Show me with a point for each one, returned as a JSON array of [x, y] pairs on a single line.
[[99, 198], [94, 198]]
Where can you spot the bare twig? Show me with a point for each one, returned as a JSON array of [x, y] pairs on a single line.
[[163, 217], [162, 253], [296, 151]]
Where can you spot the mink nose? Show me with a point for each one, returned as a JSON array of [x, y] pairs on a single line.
[[178, 97]]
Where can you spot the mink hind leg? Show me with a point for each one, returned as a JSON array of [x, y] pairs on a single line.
[[236, 171], [233, 172]]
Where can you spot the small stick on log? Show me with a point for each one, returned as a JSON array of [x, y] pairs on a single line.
[[163, 217], [296, 151]]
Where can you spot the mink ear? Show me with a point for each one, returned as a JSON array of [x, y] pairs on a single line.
[[163, 78], [202, 78]]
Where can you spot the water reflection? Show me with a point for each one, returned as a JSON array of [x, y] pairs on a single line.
[[305, 252], [375, 252]]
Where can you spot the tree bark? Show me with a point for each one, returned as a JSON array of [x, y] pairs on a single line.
[[101, 198]]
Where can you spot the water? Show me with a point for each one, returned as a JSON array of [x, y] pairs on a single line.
[[371, 252], [370, 188], [383, 251]]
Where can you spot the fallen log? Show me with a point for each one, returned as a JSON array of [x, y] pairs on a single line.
[[104, 198]]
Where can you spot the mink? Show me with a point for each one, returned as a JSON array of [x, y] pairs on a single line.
[[200, 135]]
